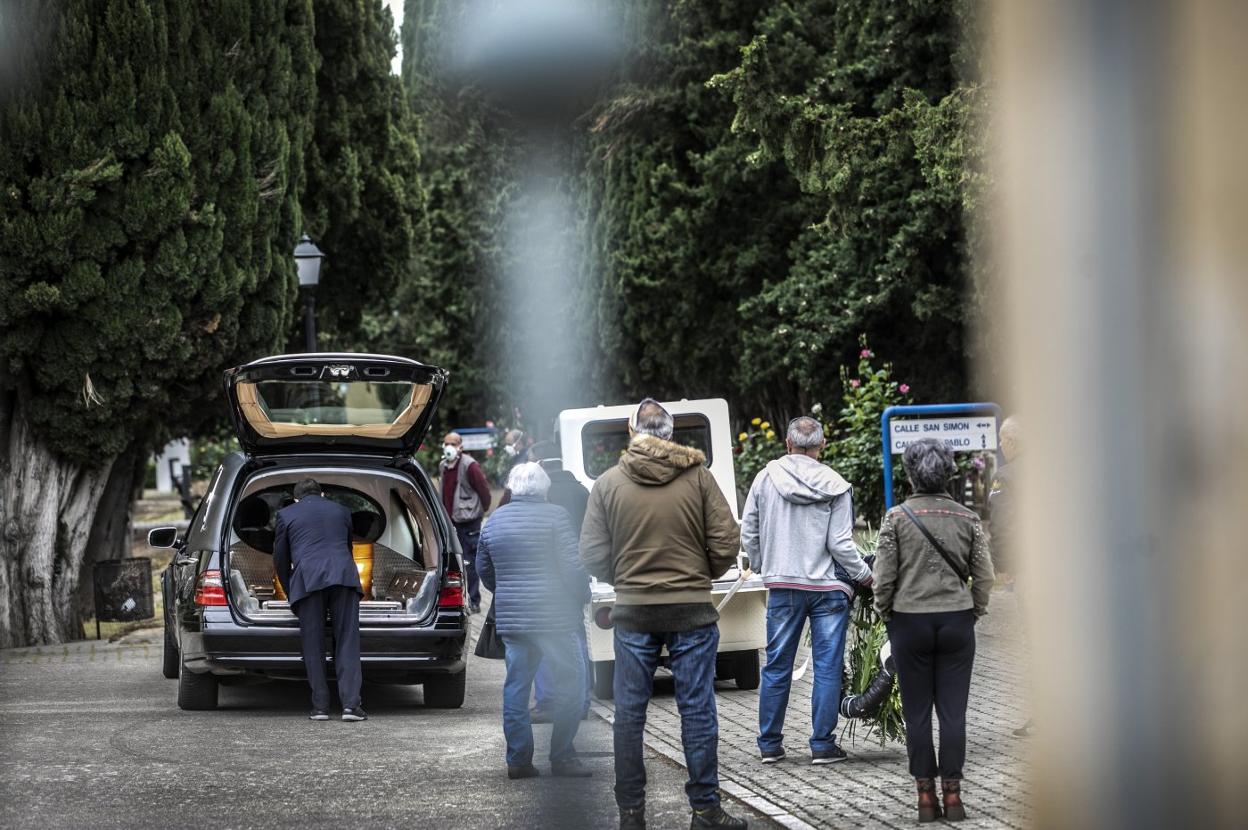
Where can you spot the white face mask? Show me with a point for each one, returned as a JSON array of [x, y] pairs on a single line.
[[449, 453], [510, 449]]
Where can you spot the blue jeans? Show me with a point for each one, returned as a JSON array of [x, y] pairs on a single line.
[[545, 686], [787, 611], [693, 667], [524, 653]]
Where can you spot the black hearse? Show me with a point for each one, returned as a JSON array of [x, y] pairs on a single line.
[[352, 422]]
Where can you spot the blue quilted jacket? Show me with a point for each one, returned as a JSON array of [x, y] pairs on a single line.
[[528, 557]]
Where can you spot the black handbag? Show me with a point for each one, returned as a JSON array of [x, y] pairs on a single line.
[[489, 642], [944, 554]]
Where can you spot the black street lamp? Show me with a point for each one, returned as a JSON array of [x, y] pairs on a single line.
[[308, 262]]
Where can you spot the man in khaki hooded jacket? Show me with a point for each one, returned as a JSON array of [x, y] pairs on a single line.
[[659, 529]]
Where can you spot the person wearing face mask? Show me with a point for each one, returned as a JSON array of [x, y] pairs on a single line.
[[466, 497]]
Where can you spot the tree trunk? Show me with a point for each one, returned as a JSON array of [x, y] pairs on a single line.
[[47, 508]]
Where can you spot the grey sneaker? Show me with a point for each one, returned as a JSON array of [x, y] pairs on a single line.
[[318, 714], [355, 714], [829, 756], [633, 819], [716, 817], [772, 756]]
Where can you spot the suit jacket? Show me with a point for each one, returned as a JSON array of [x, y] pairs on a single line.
[[312, 547]]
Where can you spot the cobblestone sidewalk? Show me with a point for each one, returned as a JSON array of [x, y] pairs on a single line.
[[873, 789]]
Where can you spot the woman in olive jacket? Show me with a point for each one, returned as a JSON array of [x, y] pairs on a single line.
[[924, 597]]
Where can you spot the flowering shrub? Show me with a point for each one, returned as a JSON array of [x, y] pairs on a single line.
[[754, 449], [854, 448]]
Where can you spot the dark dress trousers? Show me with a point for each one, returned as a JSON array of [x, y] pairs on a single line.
[[312, 557]]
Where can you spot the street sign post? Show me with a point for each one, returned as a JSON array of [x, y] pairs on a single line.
[[965, 427]]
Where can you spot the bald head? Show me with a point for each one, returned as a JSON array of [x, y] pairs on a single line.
[[454, 439], [1010, 437]]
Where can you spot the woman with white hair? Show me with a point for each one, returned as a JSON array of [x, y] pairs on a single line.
[[933, 573], [528, 558]]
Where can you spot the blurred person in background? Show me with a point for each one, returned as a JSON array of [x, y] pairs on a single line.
[[798, 530], [566, 492], [1002, 518], [659, 529], [528, 558], [466, 497], [930, 546]]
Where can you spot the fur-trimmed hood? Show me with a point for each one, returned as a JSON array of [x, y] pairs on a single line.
[[653, 461]]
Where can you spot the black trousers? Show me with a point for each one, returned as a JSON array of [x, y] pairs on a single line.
[[934, 655], [343, 604], [469, 534]]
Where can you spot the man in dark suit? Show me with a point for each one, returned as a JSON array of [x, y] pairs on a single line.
[[312, 557]]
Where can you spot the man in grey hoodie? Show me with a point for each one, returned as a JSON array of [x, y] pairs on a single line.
[[798, 531]]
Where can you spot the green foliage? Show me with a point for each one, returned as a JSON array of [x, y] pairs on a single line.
[[854, 448], [447, 309], [364, 203], [867, 636], [756, 447], [151, 160], [854, 442], [679, 226], [861, 100]]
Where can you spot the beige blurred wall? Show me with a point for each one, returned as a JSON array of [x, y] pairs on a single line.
[[1122, 247]]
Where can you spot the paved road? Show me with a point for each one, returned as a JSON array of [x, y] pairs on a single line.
[[90, 737]]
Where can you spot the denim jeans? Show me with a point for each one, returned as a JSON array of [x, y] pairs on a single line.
[[787, 611], [545, 686], [524, 653], [693, 667]]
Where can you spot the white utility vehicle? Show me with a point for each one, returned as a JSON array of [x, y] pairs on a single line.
[[591, 441]]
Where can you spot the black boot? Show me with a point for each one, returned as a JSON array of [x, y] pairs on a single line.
[[716, 817], [633, 819]]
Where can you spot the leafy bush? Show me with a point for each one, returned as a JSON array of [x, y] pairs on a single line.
[[854, 447]]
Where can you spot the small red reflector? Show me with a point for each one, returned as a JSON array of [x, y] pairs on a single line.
[[209, 590], [452, 594], [602, 617]]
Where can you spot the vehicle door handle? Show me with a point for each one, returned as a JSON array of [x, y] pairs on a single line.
[[186, 559]]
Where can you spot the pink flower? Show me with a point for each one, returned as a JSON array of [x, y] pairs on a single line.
[[489, 453], [490, 424], [855, 383], [904, 389], [866, 353]]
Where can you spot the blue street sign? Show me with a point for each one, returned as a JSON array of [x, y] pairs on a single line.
[[974, 431]]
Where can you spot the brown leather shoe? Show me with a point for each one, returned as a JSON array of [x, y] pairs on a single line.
[[951, 798], [929, 808]]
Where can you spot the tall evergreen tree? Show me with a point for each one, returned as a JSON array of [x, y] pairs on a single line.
[[151, 162], [449, 305], [363, 204], [870, 104]]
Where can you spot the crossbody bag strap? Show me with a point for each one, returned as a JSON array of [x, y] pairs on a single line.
[[944, 554]]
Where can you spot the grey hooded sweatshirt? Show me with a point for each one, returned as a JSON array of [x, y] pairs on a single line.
[[798, 528]]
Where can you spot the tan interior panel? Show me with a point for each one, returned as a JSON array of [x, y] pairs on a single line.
[[248, 402]]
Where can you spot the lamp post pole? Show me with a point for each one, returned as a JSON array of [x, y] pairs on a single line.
[[309, 318], [308, 260]]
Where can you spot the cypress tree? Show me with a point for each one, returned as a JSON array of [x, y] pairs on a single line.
[[871, 106], [151, 161], [363, 203]]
